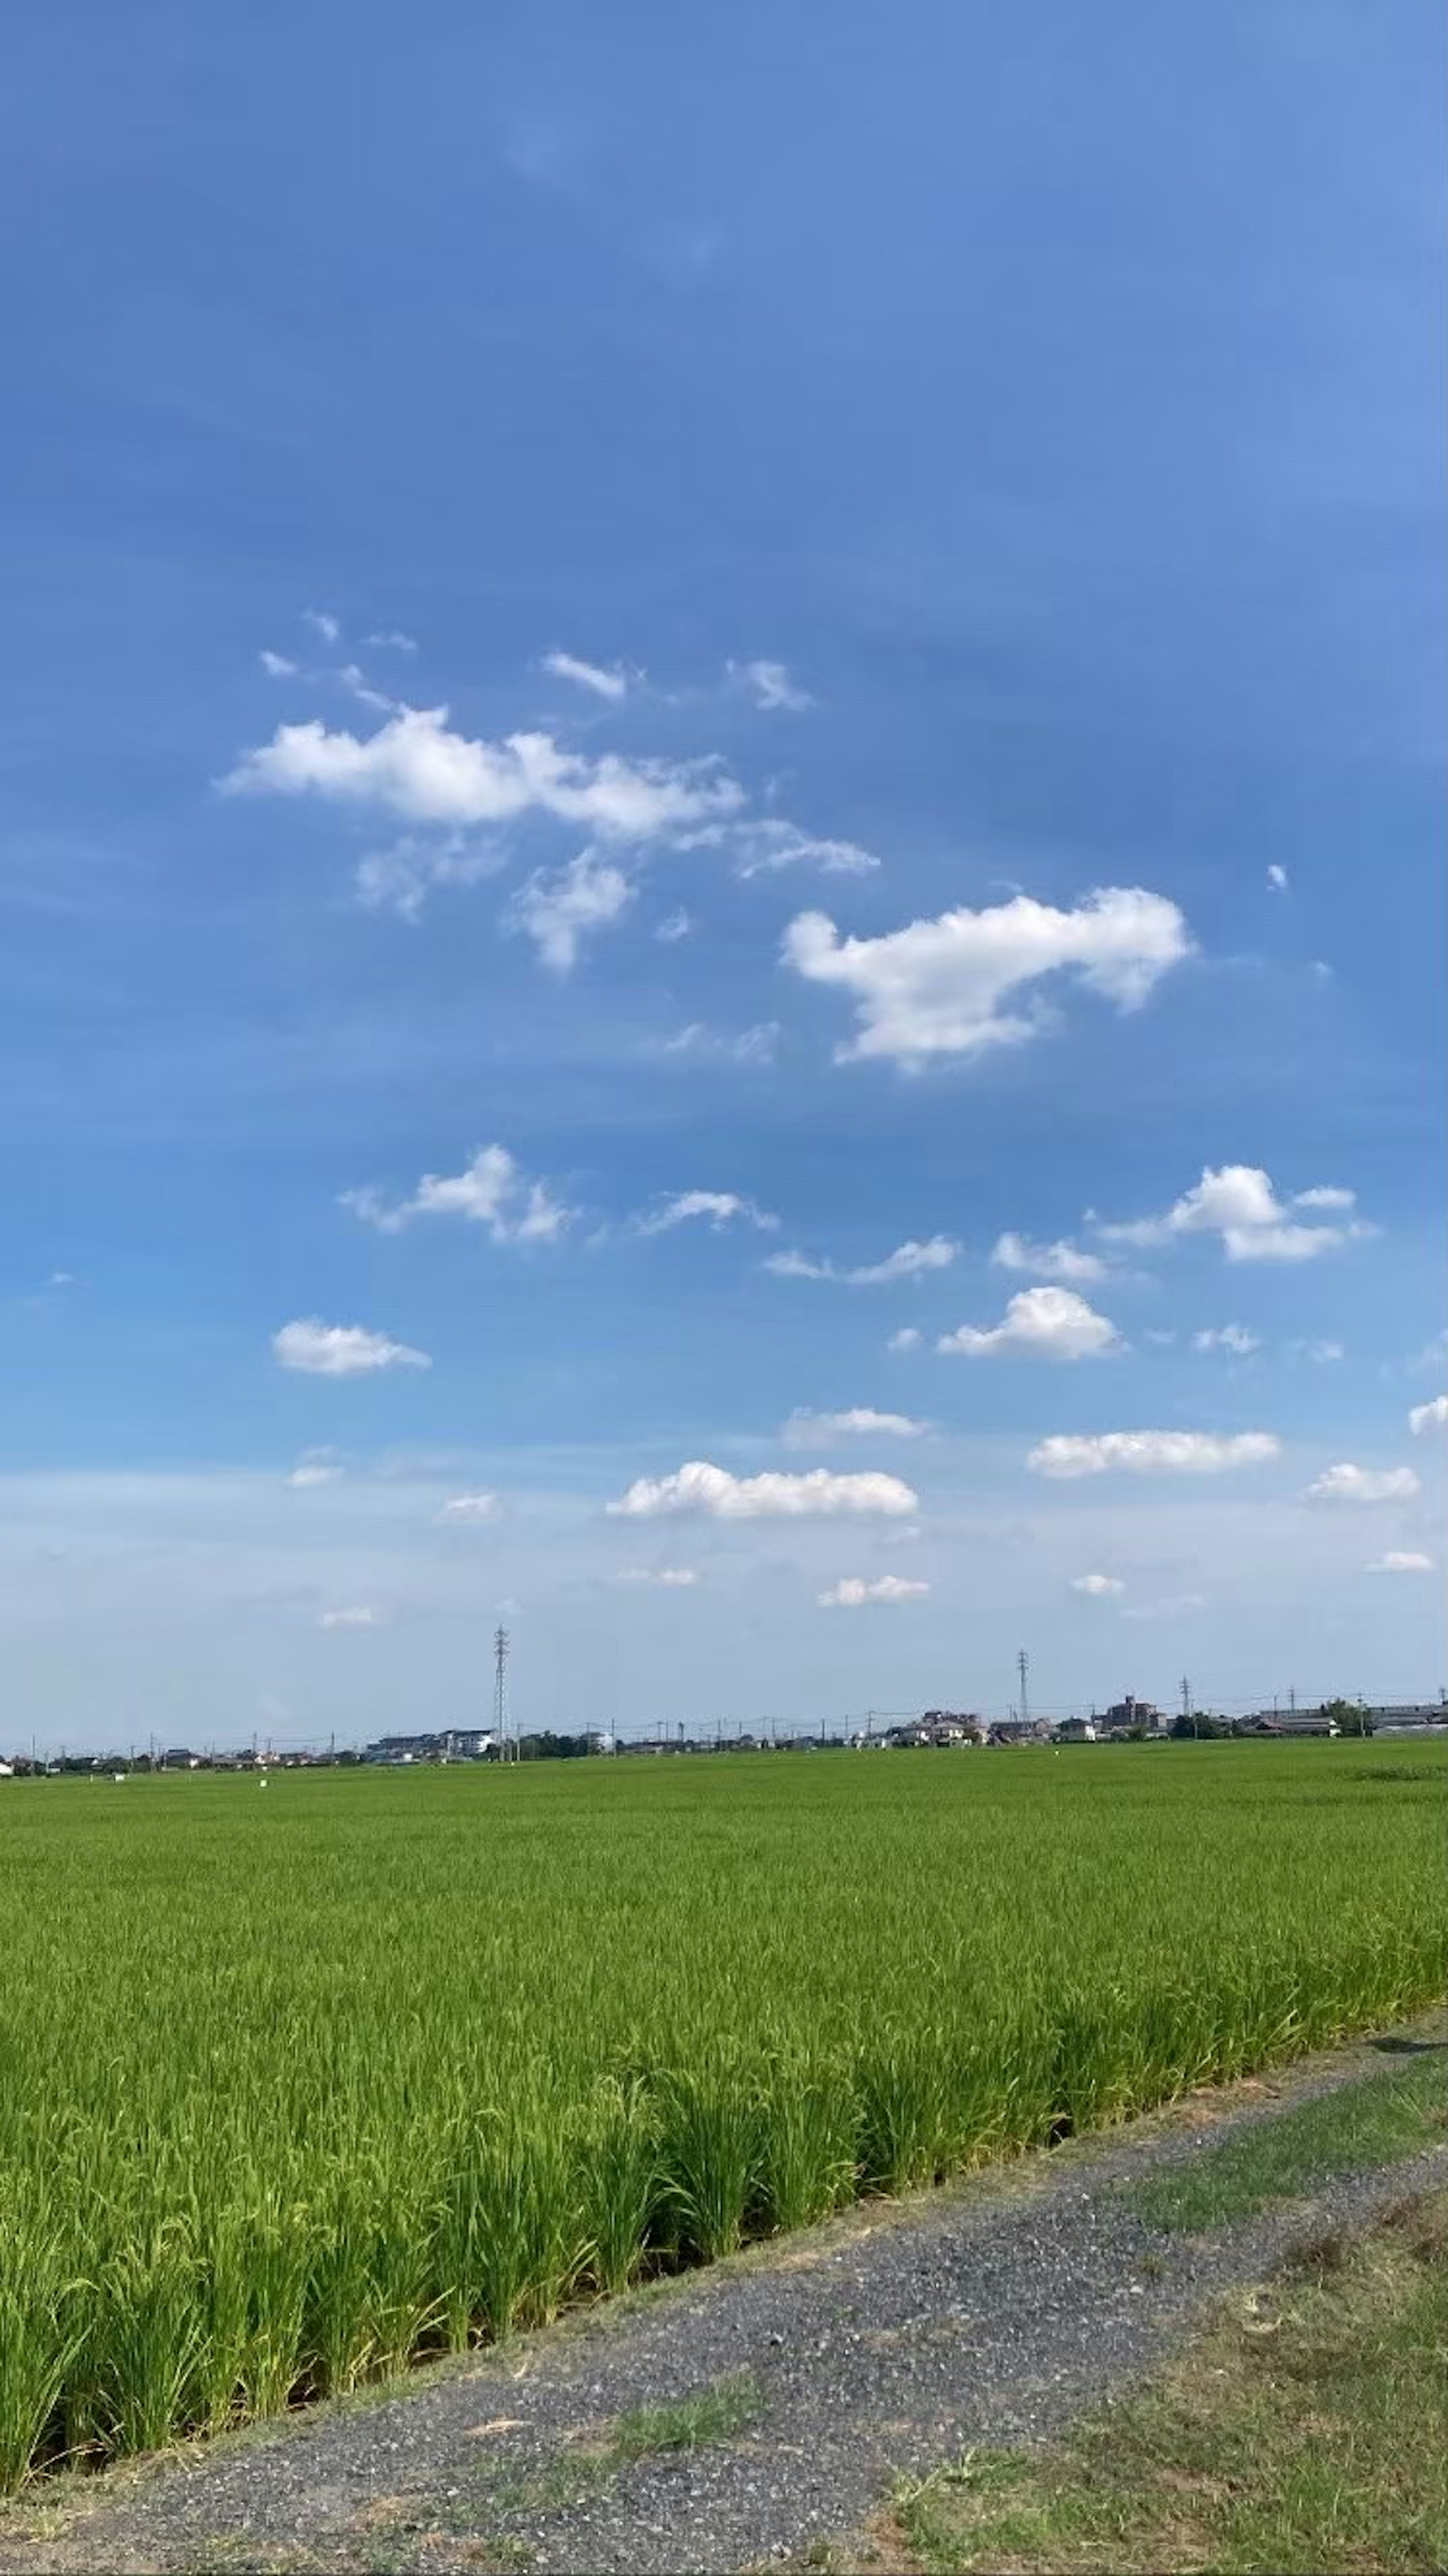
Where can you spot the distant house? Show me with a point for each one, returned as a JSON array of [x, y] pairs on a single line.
[[1131, 1713], [1296, 1721], [1076, 1730]]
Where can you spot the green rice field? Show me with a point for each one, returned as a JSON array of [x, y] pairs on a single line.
[[298, 2084]]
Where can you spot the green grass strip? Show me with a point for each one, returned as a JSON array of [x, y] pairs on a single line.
[[1378, 2120]]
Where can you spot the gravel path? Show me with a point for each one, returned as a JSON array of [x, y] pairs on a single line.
[[883, 2342]]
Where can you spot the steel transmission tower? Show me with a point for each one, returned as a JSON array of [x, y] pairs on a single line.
[[502, 1733], [1023, 1666]]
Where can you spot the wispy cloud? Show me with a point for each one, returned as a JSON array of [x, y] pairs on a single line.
[[341, 1350], [807, 1430], [560, 909], [400, 878], [603, 680], [717, 1208], [1098, 1587], [277, 666], [910, 1260], [491, 1191], [1227, 1337], [360, 1615], [771, 687], [323, 623], [1071, 1454], [853, 1592], [754, 1046], [1059, 1260], [466, 1511]]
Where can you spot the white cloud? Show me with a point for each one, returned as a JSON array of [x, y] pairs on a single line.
[[939, 987], [755, 1046], [765, 846], [315, 1467], [1401, 1560], [400, 878], [1039, 1323], [674, 926], [1227, 1337], [1098, 1587], [325, 625], [466, 1510], [700, 1487], [909, 1338], [1432, 1416], [772, 686], [852, 1591], [1345, 1483], [1151, 1453], [277, 666], [718, 1206], [1059, 1260], [391, 639], [416, 767], [1322, 1353], [1238, 1203], [559, 908], [806, 1430], [341, 1350], [491, 1191], [1277, 878], [609, 681], [362, 1616], [909, 1260], [354, 680], [670, 1578]]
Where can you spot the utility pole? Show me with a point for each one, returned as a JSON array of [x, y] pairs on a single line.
[[1292, 1699], [500, 1695], [1023, 1666], [1187, 1708]]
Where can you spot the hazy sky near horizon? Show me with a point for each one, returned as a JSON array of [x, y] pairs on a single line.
[[722, 870]]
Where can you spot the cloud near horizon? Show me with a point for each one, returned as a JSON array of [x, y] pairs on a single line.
[[1151, 1453], [698, 1486]]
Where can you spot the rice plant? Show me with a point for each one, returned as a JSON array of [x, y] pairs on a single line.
[[294, 2089]]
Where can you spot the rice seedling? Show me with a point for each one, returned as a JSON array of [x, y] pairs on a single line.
[[296, 2089]]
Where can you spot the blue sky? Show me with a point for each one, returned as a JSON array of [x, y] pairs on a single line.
[[930, 550]]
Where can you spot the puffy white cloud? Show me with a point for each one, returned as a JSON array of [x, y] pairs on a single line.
[[1151, 1453], [341, 1350], [559, 907], [324, 624], [1238, 1203], [465, 1511], [604, 680], [699, 1487], [277, 666], [1277, 878], [941, 987], [362, 1616], [1098, 1587], [720, 1207], [1227, 1337], [1060, 1260], [315, 1467], [415, 766], [772, 686], [1401, 1560], [669, 1578], [400, 878], [1432, 1416], [1039, 1323], [909, 1260], [909, 1338], [491, 1191], [1346, 1483], [806, 1430], [852, 1591]]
